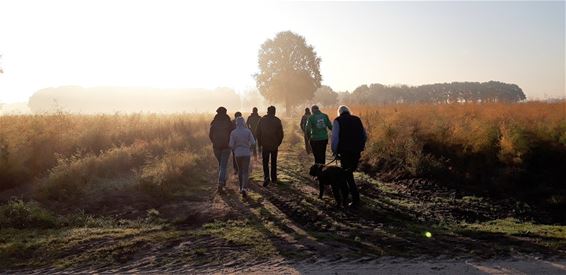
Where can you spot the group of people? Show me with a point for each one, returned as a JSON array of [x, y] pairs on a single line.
[[348, 141], [262, 135], [243, 139]]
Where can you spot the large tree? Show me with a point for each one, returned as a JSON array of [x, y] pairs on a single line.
[[289, 70]]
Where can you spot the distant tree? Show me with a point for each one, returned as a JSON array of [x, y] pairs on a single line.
[[289, 70], [455, 92], [325, 96]]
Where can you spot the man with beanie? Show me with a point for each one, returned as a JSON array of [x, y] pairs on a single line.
[[252, 122], [269, 137], [305, 136], [219, 134], [318, 134], [348, 141]]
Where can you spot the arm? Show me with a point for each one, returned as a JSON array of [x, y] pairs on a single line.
[[232, 142], [308, 126], [258, 133], [335, 136], [321, 189], [251, 138], [327, 121], [210, 136]]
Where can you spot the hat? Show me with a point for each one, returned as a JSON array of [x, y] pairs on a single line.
[[221, 110]]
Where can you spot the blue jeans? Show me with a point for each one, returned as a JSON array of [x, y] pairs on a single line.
[[243, 171], [222, 155]]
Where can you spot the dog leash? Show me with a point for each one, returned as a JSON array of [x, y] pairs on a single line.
[[334, 160]]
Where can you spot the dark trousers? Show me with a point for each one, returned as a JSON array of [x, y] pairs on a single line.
[[307, 144], [349, 162], [243, 171], [319, 150], [266, 156]]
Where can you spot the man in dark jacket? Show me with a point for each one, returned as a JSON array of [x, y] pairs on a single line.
[[252, 122], [269, 137], [348, 141], [305, 135], [219, 135]]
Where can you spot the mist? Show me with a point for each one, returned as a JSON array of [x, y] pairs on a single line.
[[95, 100]]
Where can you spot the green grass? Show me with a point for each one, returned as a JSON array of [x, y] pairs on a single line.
[[514, 227], [242, 233], [67, 247]]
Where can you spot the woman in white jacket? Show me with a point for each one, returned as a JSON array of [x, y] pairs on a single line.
[[241, 142]]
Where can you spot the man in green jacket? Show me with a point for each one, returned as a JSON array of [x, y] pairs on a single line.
[[317, 129]]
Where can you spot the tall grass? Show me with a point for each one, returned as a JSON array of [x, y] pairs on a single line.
[[498, 148], [65, 156]]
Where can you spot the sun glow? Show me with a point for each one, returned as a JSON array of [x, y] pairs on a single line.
[[172, 44]]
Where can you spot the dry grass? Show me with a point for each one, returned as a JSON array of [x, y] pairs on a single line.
[[503, 149], [65, 156]]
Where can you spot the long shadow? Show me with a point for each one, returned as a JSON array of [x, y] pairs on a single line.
[[398, 230], [284, 247]]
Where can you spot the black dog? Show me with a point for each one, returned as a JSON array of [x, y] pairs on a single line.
[[335, 177]]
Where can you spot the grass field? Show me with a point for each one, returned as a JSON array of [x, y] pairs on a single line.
[[137, 192]]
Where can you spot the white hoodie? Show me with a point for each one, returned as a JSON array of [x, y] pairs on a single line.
[[241, 139]]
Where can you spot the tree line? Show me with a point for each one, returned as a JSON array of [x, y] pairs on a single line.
[[455, 92]]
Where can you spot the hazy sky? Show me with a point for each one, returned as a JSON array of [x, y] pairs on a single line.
[[209, 44]]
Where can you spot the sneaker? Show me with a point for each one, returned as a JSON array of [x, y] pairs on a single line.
[[244, 194], [274, 181], [265, 183], [220, 190]]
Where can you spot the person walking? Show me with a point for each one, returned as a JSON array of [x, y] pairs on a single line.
[[348, 141], [241, 142], [219, 134], [252, 122], [316, 128], [269, 137], [234, 164], [305, 136]]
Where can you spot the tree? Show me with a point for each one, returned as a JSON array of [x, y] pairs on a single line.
[[325, 96], [289, 70]]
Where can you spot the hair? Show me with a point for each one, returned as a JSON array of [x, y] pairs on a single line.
[[271, 110], [315, 108], [237, 114], [254, 110], [307, 110], [343, 109], [221, 110]]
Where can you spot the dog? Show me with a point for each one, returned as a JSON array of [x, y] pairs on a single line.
[[336, 178]]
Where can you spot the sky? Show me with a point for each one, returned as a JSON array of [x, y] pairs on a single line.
[[209, 44]]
